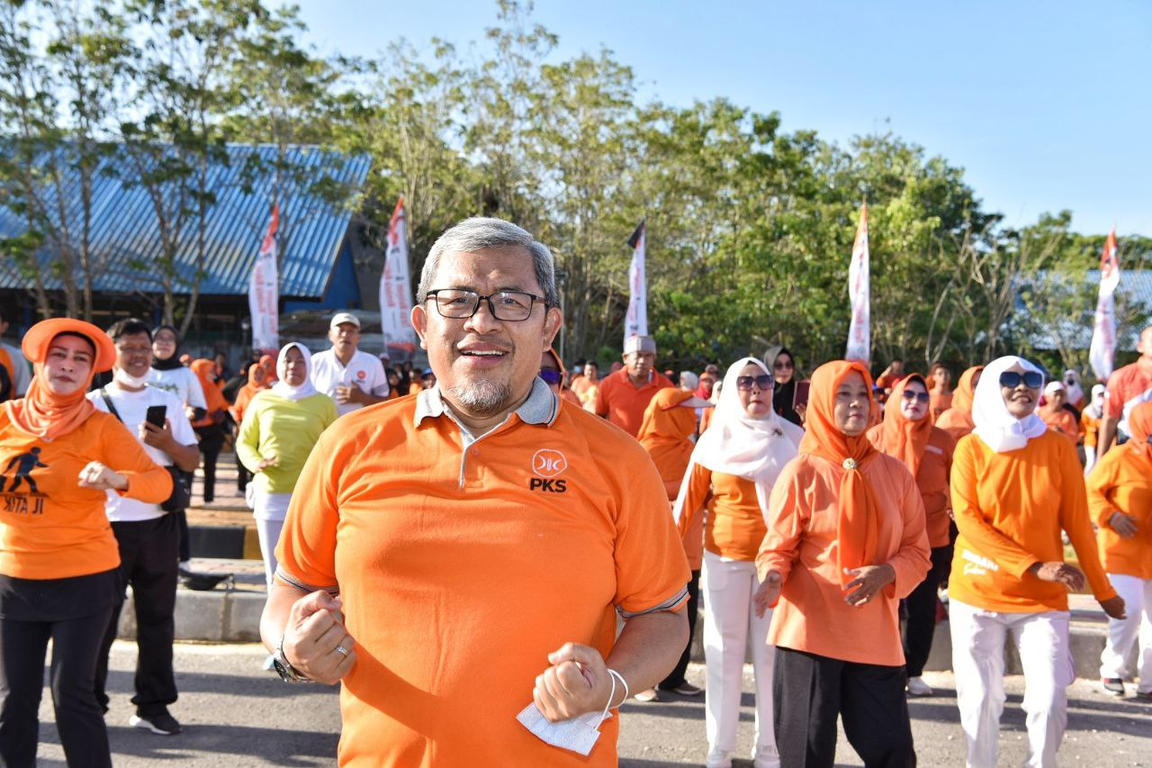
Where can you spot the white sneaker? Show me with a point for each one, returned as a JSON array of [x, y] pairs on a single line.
[[917, 687], [718, 758], [766, 756]]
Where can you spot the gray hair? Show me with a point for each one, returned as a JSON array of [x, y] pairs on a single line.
[[478, 233], [689, 380]]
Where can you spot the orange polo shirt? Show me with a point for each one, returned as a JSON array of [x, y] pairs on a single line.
[[1122, 481], [51, 528], [932, 480], [801, 543], [463, 563], [734, 524], [1128, 387], [1010, 508], [622, 403]]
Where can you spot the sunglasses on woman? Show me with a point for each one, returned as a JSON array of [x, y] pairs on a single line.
[[761, 382], [550, 376], [910, 395], [1012, 379]]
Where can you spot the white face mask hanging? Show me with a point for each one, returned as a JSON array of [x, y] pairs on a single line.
[[121, 376], [577, 734]]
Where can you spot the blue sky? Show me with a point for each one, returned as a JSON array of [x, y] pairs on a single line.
[[1045, 105]]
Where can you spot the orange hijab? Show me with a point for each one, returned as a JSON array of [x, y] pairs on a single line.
[[665, 431], [41, 412], [901, 437], [268, 363], [965, 391], [212, 394], [1140, 426], [858, 529]]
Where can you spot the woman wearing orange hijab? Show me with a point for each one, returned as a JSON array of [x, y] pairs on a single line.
[[907, 434], [845, 543], [668, 433], [58, 556], [957, 420], [257, 380], [210, 428], [1120, 499]]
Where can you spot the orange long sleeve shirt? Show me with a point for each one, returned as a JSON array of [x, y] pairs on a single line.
[[932, 480], [803, 517], [1010, 508], [1122, 481], [734, 524], [50, 527]]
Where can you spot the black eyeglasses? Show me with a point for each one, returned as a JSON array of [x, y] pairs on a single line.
[[551, 376], [458, 304], [1012, 379], [910, 395], [761, 382]]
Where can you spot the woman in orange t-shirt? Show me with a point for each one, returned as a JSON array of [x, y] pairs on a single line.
[[957, 420], [734, 466], [845, 542], [908, 435], [1120, 499], [1015, 486], [58, 556], [668, 433]]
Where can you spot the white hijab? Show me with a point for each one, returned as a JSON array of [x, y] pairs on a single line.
[[281, 387], [1075, 391], [737, 444], [999, 429]]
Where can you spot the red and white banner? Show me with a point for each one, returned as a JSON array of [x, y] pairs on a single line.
[[1103, 349], [396, 287], [264, 290], [859, 294], [636, 322]]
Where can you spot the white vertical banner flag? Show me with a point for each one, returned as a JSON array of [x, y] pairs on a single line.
[[859, 294], [1102, 351], [264, 290], [396, 287], [636, 322]]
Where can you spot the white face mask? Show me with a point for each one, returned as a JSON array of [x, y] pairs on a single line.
[[121, 376], [579, 734]]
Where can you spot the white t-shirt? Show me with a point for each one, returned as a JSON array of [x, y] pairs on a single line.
[[181, 382], [23, 373], [132, 407], [363, 370]]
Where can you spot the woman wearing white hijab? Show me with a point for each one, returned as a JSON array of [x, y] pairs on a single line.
[[1015, 485], [280, 427], [733, 467]]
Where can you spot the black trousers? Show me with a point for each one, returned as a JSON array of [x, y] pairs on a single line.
[[75, 647], [211, 441], [676, 677], [921, 611], [148, 563], [810, 691]]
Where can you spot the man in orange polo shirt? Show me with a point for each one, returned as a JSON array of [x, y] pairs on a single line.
[[1127, 387], [625, 394], [458, 560]]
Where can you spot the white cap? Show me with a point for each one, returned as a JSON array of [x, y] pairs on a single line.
[[1054, 386], [344, 317], [639, 344]]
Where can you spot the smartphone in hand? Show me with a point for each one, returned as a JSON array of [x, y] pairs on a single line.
[[156, 415], [800, 394]]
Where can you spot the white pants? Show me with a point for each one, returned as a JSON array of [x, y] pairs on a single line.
[[978, 638], [1122, 633], [269, 509], [730, 622]]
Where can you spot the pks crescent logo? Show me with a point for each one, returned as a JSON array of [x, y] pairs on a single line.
[[548, 463]]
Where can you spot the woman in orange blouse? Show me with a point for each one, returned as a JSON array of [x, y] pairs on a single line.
[[734, 466], [957, 420], [845, 543], [1015, 486], [58, 556], [668, 433], [1120, 500], [907, 434]]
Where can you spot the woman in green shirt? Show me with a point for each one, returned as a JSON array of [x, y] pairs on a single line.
[[280, 427]]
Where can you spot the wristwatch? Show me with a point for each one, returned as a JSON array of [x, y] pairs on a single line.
[[284, 668]]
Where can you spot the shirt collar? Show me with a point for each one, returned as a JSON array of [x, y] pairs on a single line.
[[541, 407]]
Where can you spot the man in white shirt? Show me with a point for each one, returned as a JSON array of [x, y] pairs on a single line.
[[352, 378], [21, 372], [148, 536]]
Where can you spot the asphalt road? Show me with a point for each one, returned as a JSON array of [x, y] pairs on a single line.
[[235, 714]]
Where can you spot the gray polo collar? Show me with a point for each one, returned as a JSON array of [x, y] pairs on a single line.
[[541, 407]]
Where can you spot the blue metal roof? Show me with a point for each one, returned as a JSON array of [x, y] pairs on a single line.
[[1135, 291], [125, 234]]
